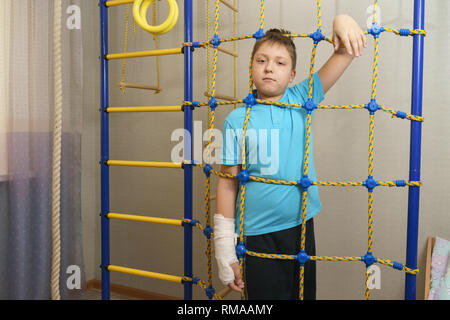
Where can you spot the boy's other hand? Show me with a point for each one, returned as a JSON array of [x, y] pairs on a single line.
[[347, 34], [238, 283]]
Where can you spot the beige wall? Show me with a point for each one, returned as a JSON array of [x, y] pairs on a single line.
[[340, 145]]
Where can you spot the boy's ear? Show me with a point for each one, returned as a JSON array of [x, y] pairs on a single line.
[[293, 73]]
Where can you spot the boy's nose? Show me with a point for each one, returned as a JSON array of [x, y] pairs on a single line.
[[268, 67]]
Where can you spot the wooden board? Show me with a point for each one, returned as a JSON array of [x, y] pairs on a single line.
[[430, 246]]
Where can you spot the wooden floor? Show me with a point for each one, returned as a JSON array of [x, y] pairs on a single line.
[[120, 292], [96, 294]]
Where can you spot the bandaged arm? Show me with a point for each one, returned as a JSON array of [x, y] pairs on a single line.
[[224, 224], [225, 243]]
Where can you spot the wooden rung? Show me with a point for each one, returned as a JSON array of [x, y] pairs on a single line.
[[225, 50], [228, 51], [430, 245], [138, 86], [230, 5], [221, 96], [222, 293]]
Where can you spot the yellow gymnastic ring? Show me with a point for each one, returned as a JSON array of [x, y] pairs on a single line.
[[140, 16]]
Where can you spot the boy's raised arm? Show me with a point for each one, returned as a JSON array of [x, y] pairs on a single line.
[[349, 42]]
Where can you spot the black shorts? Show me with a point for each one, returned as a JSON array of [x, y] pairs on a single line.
[[277, 279]]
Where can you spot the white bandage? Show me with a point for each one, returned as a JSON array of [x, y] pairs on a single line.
[[225, 243]]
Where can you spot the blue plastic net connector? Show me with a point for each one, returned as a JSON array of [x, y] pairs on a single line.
[[400, 183], [398, 266], [243, 176], [317, 36], [370, 183], [259, 34], [207, 169], [207, 232], [241, 250], [215, 41], [210, 291], [194, 222], [196, 44], [369, 259], [305, 182], [400, 114], [404, 32], [195, 104], [302, 257], [372, 106], [375, 30], [250, 100], [195, 280], [309, 105], [212, 103]]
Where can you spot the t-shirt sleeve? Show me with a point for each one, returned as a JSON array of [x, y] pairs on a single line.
[[231, 144], [301, 89]]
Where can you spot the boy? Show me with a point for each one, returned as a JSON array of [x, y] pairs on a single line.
[[273, 212]]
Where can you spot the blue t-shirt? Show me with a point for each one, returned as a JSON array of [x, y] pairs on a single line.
[[275, 143]]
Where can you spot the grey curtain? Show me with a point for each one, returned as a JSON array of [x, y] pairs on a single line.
[[26, 146]]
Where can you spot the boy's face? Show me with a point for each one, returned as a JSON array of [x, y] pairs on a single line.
[[272, 71]]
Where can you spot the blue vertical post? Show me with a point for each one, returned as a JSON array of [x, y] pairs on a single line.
[[104, 141], [415, 151], [188, 148]]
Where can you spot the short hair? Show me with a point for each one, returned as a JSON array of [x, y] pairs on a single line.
[[278, 36]]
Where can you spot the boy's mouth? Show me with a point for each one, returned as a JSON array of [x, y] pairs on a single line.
[[268, 79]]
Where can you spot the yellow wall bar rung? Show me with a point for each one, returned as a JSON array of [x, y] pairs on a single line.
[[131, 217], [140, 54], [143, 164], [113, 3], [145, 109], [147, 274]]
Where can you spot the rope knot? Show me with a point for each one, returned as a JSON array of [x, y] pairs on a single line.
[[317, 36], [243, 176], [241, 250], [250, 100], [369, 259], [370, 183], [375, 30], [258, 34], [372, 106], [302, 257], [305, 182], [215, 41]]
